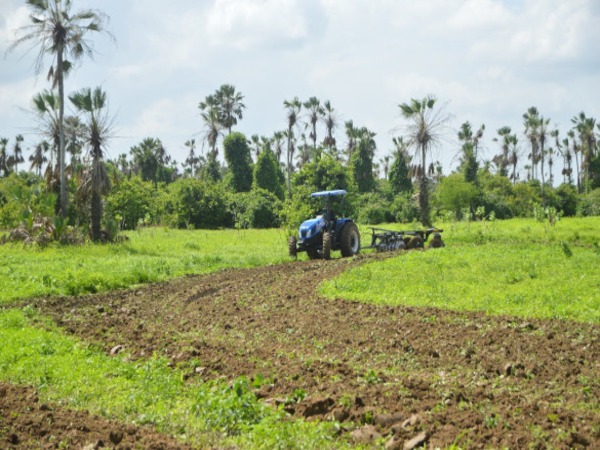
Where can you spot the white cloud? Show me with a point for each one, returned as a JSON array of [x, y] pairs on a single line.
[[247, 24]]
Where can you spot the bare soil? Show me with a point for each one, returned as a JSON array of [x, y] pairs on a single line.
[[433, 376]]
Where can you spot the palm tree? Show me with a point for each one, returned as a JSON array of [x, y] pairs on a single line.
[[74, 133], [503, 159], [57, 31], [145, 159], [353, 135], [277, 142], [17, 155], [230, 106], [513, 159], [576, 149], [255, 140], [424, 129], [293, 108], [330, 121], [38, 157], [542, 136], [3, 157], [314, 112], [531, 120], [192, 160], [46, 106], [98, 130], [587, 138], [212, 121]]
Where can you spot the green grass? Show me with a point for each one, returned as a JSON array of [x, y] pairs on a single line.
[[521, 268], [150, 255], [75, 375]]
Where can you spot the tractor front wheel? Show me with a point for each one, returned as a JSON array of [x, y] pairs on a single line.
[[327, 245], [350, 240], [292, 247]]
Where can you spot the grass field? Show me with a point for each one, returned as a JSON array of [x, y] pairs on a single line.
[[519, 268], [150, 255]]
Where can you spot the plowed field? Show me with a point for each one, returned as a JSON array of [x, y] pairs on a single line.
[[443, 377]]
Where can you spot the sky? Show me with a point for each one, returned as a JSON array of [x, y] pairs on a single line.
[[486, 61]]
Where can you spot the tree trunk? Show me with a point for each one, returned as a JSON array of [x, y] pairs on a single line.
[[61, 132], [96, 213]]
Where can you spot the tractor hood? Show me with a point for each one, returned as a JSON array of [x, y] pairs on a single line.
[[311, 227]]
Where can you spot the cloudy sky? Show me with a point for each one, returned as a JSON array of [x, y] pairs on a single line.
[[487, 60]]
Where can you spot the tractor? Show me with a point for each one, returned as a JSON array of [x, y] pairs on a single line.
[[327, 232]]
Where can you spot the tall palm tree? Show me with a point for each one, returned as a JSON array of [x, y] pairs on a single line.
[[542, 137], [330, 120], [209, 111], [277, 142], [314, 112], [145, 159], [62, 34], [4, 170], [74, 133], [230, 106], [17, 154], [504, 157], [46, 106], [587, 138], [353, 135], [531, 121], [424, 128], [93, 105], [38, 157], [192, 159], [576, 149], [293, 108], [513, 159]]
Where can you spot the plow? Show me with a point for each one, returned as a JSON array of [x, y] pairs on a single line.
[[389, 240]]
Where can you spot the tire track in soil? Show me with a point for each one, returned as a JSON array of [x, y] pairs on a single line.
[[461, 377]]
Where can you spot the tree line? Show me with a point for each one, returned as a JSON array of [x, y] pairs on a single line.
[[228, 179]]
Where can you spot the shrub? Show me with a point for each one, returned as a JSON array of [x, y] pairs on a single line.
[[566, 199], [404, 209], [132, 201], [372, 209], [197, 204], [590, 204], [258, 208]]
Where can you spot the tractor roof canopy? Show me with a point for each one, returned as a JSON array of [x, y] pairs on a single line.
[[336, 193]]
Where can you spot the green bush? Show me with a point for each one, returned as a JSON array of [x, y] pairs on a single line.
[[23, 195], [373, 209], [404, 209], [590, 204], [198, 204], [258, 208], [566, 195], [132, 201]]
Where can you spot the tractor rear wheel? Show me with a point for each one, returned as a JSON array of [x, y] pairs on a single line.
[[327, 245], [292, 247], [350, 240]]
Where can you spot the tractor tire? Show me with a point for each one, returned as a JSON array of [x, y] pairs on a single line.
[[327, 245], [293, 250], [350, 240]]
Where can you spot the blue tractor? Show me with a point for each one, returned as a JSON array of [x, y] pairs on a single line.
[[327, 232]]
